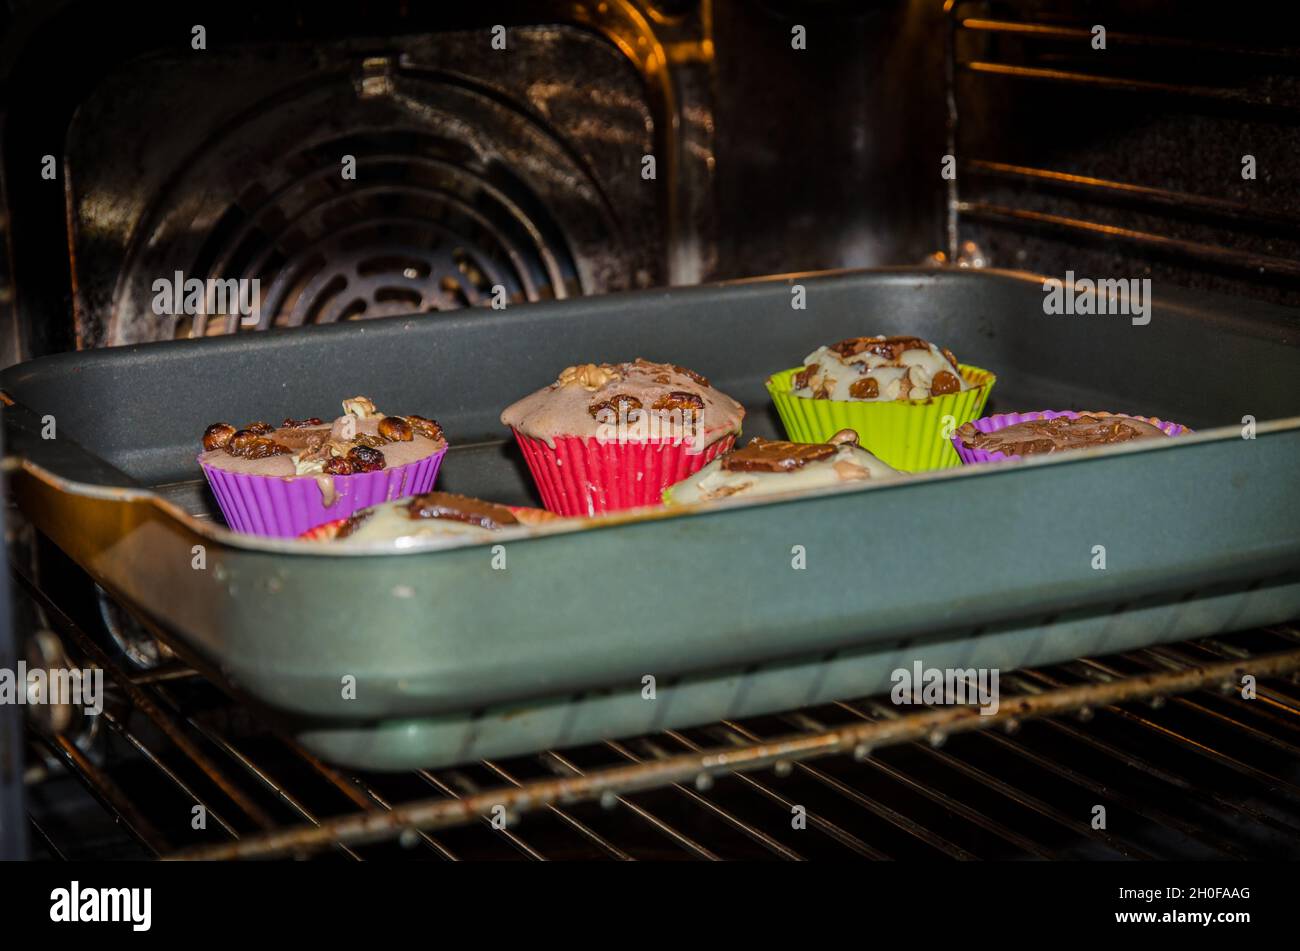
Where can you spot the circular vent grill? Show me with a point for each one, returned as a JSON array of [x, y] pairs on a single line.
[[422, 227]]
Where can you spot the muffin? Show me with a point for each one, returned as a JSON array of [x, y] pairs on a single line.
[[428, 515], [284, 480], [1012, 435], [771, 467], [605, 437], [901, 395]]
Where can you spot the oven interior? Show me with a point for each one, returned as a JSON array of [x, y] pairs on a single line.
[[1164, 154]]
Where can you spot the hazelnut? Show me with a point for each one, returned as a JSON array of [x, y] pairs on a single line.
[[428, 428], [217, 435], [396, 429]]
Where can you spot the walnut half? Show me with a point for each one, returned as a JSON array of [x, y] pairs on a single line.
[[588, 375]]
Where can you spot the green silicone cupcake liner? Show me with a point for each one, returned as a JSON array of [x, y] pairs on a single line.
[[911, 435]]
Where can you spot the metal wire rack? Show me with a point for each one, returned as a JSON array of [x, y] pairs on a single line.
[[1033, 195], [1162, 738]]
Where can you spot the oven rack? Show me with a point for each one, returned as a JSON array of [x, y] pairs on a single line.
[[1183, 764], [1251, 238]]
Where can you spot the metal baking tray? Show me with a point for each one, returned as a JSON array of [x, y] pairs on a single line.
[[455, 660]]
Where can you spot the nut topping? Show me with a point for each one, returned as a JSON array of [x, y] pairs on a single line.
[[688, 403], [866, 388], [620, 404], [217, 435], [699, 378], [396, 429], [239, 442], [944, 383], [260, 429], [588, 375], [889, 348], [365, 459], [301, 423], [362, 407], [261, 447], [427, 428]]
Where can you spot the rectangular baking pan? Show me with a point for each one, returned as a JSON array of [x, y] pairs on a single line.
[[454, 660]]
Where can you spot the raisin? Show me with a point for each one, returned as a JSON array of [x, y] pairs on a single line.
[[619, 404], [865, 389], [365, 459], [217, 435], [680, 399], [944, 383], [261, 448], [260, 428], [290, 423], [427, 428], [338, 466]]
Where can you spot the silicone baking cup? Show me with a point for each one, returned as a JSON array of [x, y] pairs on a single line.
[[287, 507], [910, 435], [991, 424], [583, 476]]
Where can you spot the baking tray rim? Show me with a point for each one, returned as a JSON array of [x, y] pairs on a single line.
[[217, 533]]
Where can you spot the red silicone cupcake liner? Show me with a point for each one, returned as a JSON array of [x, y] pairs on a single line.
[[991, 424], [285, 508], [583, 476]]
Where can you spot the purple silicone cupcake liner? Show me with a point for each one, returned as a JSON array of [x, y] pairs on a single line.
[[991, 424], [273, 505]]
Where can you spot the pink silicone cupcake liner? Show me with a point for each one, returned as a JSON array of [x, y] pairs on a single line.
[[272, 505], [583, 476], [991, 424]]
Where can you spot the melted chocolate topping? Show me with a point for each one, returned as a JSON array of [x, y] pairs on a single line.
[[460, 508], [762, 455], [1038, 436]]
